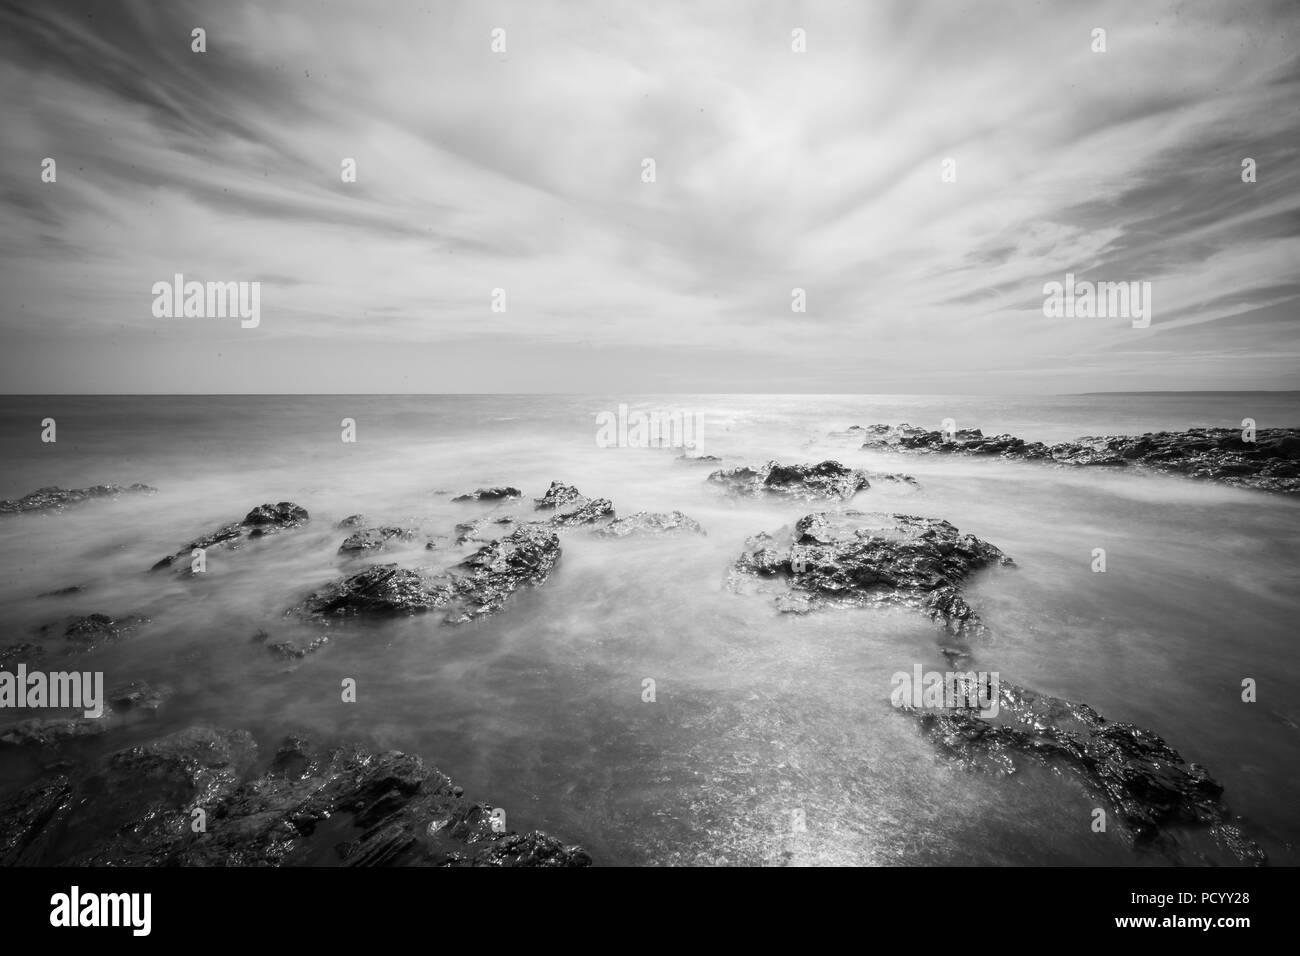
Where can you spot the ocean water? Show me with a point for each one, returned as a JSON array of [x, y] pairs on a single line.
[[758, 717]]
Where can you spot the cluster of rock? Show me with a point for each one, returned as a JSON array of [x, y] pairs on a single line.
[[348, 807], [1271, 462], [56, 499]]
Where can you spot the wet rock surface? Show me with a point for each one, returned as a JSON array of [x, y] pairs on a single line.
[[828, 479], [345, 806], [477, 586], [490, 494], [56, 499], [1270, 463], [651, 523], [1149, 787], [261, 521], [857, 559], [557, 495], [91, 630], [373, 539]]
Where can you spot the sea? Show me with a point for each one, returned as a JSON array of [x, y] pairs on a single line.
[[768, 738]]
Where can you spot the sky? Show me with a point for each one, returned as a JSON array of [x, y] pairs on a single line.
[[774, 169]]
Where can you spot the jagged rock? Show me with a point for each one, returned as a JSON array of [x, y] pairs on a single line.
[[373, 539], [524, 557], [646, 522], [1150, 788], [136, 810], [858, 559], [585, 512], [56, 499], [381, 589], [261, 521], [829, 479], [22, 652], [91, 630], [557, 495], [490, 494], [1270, 463]]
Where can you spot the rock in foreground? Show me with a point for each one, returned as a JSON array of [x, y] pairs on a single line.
[[347, 807]]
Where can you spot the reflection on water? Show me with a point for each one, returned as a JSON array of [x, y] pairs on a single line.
[[760, 722]]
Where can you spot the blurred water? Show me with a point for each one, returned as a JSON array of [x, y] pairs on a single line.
[[539, 708]]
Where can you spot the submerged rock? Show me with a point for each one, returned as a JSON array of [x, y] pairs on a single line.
[[56, 499], [92, 630], [828, 479], [351, 521], [261, 521], [478, 585], [857, 559], [373, 539], [647, 523], [1148, 785], [1270, 463], [490, 494], [348, 806]]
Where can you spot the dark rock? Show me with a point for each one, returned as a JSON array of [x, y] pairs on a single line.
[[136, 810], [557, 495], [63, 592], [351, 521], [261, 521], [1150, 788], [490, 494], [373, 539], [56, 499], [587, 512], [857, 559], [20, 653], [46, 732], [289, 651], [91, 630], [381, 589], [1213, 454], [698, 458], [139, 696], [525, 557], [829, 479], [646, 522]]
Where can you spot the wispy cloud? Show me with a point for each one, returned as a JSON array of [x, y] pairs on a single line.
[[522, 170]]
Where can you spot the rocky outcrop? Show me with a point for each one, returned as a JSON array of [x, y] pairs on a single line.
[[490, 494], [373, 539], [829, 479], [261, 521], [558, 495], [56, 499], [1269, 463], [1148, 786], [857, 559], [347, 806], [478, 585], [651, 523], [91, 630]]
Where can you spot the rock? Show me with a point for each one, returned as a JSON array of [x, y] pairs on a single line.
[[858, 559], [373, 539], [23, 652], [646, 522], [698, 458], [829, 479], [139, 696], [1149, 787], [56, 499], [490, 494], [289, 651], [91, 630], [381, 589], [63, 592], [586, 512], [48, 732], [557, 495], [525, 557], [261, 521], [1212, 454], [136, 809], [351, 521]]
